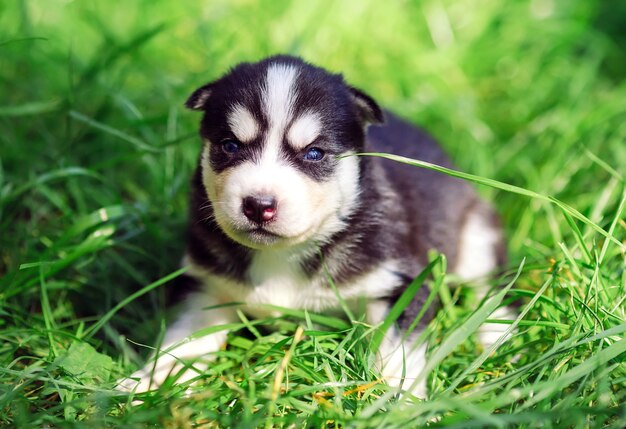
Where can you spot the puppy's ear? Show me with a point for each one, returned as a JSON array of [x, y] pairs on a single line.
[[366, 106], [197, 100]]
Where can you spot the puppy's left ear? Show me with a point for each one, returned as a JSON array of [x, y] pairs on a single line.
[[368, 109], [198, 99]]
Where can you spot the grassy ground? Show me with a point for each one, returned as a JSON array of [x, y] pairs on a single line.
[[95, 156]]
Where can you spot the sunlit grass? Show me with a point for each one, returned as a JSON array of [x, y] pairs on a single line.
[[96, 152]]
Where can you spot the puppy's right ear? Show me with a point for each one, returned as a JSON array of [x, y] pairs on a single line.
[[199, 98]]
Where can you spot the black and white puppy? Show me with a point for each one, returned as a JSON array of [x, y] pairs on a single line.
[[278, 205]]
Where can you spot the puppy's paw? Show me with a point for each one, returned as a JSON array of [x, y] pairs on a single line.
[[490, 333], [141, 381], [406, 385], [402, 369], [152, 377]]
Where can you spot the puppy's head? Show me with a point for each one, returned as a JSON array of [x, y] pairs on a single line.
[[274, 134]]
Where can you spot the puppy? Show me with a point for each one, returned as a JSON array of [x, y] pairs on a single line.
[[280, 204]]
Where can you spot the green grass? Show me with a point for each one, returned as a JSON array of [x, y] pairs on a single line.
[[96, 152]]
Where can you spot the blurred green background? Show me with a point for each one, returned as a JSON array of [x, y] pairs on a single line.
[[96, 149]]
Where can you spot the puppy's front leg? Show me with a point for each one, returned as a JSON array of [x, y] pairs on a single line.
[[401, 360], [178, 346]]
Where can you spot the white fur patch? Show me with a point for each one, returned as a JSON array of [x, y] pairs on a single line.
[[243, 124], [278, 98], [400, 362], [304, 130], [347, 184], [277, 280], [402, 365], [278, 95], [489, 333], [477, 259], [477, 251]]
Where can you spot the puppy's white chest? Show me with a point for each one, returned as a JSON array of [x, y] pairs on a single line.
[[277, 280]]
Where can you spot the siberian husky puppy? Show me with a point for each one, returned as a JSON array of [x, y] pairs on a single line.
[[279, 204]]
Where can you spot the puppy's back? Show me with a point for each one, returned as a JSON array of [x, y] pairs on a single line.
[[436, 204]]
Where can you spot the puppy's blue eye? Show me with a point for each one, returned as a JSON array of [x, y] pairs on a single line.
[[230, 146], [314, 154]]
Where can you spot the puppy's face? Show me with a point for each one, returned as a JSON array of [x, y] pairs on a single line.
[[274, 134]]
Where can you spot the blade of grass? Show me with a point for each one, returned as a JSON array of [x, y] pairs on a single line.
[[61, 173], [489, 350], [96, 326], [616, 219], [47, 315], [470, 326], [101, 62], [331, 322], [33, 108], [138, 143], [498, 185], [401, 303]]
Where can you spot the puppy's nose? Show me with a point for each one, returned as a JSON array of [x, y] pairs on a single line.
[[259, 209]]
